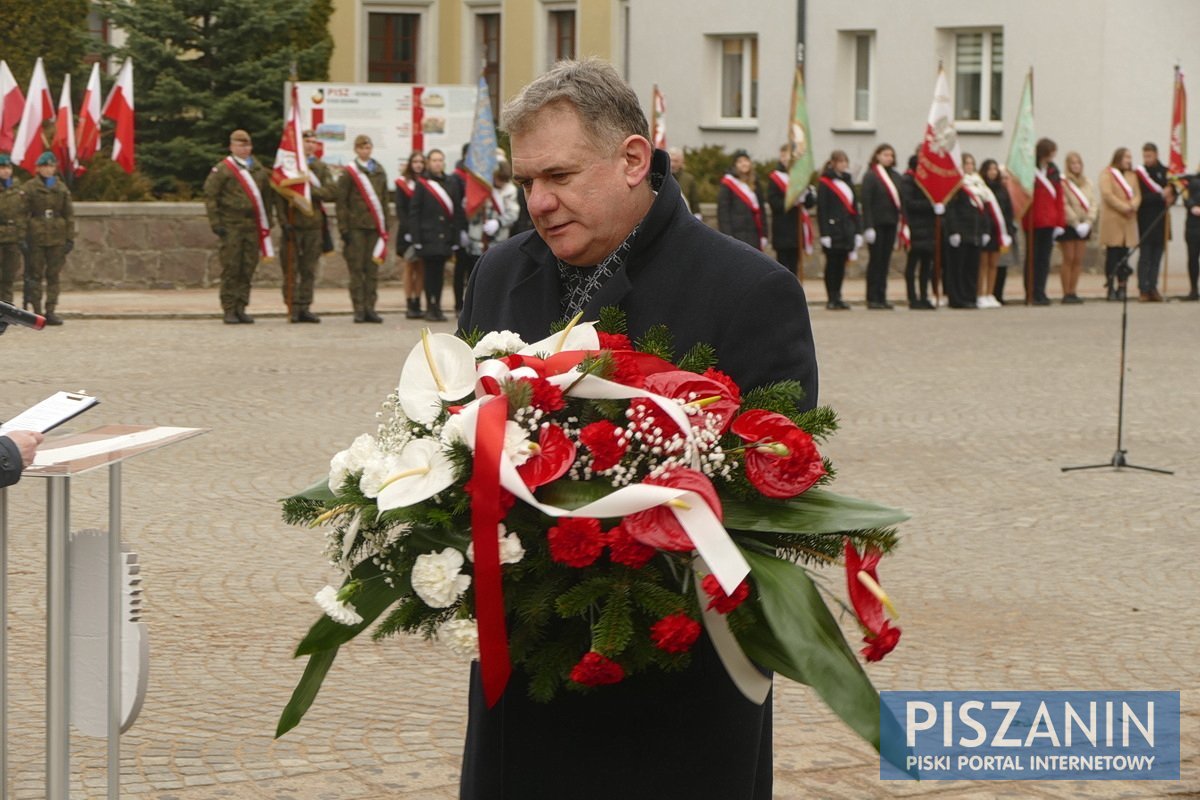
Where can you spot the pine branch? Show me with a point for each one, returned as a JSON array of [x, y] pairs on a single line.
[[614, 628], [657, 341], [612, 320], [702, 356]]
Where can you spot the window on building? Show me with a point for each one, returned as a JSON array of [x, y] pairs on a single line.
[[978, 76], [97, 38], [392, 47], [863, 48], [487, 52], [561, 30], [739, 77]]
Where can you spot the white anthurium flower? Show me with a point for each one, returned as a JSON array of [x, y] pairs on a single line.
[[440, 368], [422, 470], [498, 343], [572, 337]]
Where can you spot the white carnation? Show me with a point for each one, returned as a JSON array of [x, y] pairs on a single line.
[[516, 443], [498, 343], [335, 609], [511, 551], [376, 471], [351, 460], [461, 636], [437, 578], [452, 430]]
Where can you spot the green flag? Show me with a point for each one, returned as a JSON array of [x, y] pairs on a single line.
[[1021, 164], [802, 161]]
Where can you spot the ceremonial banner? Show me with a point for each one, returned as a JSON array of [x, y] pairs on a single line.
[[801, 168], [12, 101], [63, 145], [119, 108], [1022, 165], [88, 132], [39, 107], [289, 176], [481, 157], [939, 162], [1177, 162]]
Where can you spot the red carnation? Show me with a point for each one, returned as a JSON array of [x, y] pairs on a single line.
[[614, 341], [882, 643], [781, 459], [601, 439], [713, 397], [714, 374], [596, 670], [554, 455], [546, 396], [722, 602], [576, 541], [658, 526], [624, 549], [626, 370], [675, 634]]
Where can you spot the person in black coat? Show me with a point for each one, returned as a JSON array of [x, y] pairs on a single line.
[[918, 213], [839, 223], [17, 449], [1001, 239], [785, 224], [620, 234], [435, 222], [1191, 234], [962, 231], [1157, 194], [882, 211], [740, 203], [414, 271]]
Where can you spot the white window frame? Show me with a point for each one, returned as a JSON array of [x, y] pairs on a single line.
[[545, 57], [426, 64], [750, 50], [982, 125], [470, 44]]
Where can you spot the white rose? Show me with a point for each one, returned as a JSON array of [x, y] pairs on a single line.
[[376, 471], [437, 578], [516, 443], [461, 636], [511, 550], [498, 343]]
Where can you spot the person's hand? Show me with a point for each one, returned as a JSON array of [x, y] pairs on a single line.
[[27, 442], [1059, 232], [939, 209], [408, 238], [955, 239], [1195, 212], [70, 245], [869, 236], [1007, 240], [416, 247], [985, 239], [762, 243], [827, 242], [490, 227], [858, 240], [853, 256], [288, 228], [1083, 229], [463, 239], [219, 232]]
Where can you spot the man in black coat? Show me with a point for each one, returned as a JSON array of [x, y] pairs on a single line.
[[611, 229], [17, 449], [1157, 194]]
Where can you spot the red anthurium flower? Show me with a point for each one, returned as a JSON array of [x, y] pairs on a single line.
[[658, 527], [600, 438], [576, 541], [708, 394], [554, 456], [868, 599], [630, 367], [597, 670], [781, 459], [675, 633], [724, 603], [720, 377]]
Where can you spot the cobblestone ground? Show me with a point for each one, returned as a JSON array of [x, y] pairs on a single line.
[[1013, 574]]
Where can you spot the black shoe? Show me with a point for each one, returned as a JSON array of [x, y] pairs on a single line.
[[1042, 301], [921, 305], [1189, 298], [304, 315], [434, 314], [1071, 300], [231, 318], [244, 318], [53, 319], [414, 309], [371, 316], [837, 305], [880, 306]]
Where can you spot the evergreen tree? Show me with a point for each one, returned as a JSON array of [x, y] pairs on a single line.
[[55, 30], [204, 68]]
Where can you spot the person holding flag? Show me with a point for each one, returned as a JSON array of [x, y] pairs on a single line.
[[919, 216], [363, 219], [51, 234], [437, 224], [785, 227], [1191, 234], [303, 221], [235, 195], [14, 223]]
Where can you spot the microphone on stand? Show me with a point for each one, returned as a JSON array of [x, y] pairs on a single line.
[[11, 315]]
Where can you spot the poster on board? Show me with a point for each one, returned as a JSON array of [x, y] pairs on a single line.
[[399, 118]]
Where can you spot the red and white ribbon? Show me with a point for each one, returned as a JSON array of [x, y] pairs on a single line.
[[1124, 184], [265, 247], [1079, 195], [1147, 181], [843, 193], [440, 194], [363, 183], [886, 180], [1046, 183], [747, 196]]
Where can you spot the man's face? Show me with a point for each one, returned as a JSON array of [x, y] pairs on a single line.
[[5, 172], [47, 170], [436, 163], [579, 197], [676, 162], [240, 149], [742, 165], [1149, 157], [363, 151], [310, 147]]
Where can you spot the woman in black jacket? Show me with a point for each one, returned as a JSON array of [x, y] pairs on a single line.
[[839, 222], [918, 214], [740, 203], [881, 210], [435, 222], [1001, 230], [962, 229], [414, 271]]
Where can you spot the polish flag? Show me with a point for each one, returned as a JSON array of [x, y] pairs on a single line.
[[88, 141], [119, 108], [39, 107], [11, 102], [63, 145]]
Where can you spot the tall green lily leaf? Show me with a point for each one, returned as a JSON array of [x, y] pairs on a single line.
[[306, 690], [372, 599], [815, 511]]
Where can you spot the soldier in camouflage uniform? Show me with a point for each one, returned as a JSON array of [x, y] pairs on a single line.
[[307, 231], [14, 222], [234, 219], [359, 231], [51, 234]]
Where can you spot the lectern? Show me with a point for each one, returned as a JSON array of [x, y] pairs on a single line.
[[59, 461]]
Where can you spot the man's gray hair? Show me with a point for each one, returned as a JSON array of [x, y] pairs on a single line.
[[607, 106]]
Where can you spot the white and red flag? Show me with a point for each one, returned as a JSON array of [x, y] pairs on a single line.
[[659, 125], [87, 133], [1177, 162], [939, 162], [39, 107], [290, 174], [63, 144], [119, 108], [12, 101]]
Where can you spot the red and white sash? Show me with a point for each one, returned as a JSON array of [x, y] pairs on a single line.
[[997, 215], [1046, 183], [886, 180], [440, 194], [363, 183], [265, 247], [842, 192], [1147, 181], [780, 179], [405, 186], [974, 198], [1079, 196], [1124, 184], [747, 196]]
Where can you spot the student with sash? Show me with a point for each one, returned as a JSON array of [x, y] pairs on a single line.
[[965, 234], [883, 214], [1082, 212], [1000, 227], [790, 227], [435, 221], [1191, 234], [1120, 197], [1046, 219], [234, 195], [920, 219], [414, 270], [1157, 195], [839, 223], [740, 204], [363, 219]]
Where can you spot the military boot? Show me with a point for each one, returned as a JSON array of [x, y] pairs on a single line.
[[302, 314], [242, 316], [51, 317]]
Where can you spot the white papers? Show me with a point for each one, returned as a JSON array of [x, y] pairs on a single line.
[[56, 455], [50, 413]]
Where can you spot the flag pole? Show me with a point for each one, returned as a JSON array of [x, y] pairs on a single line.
[[289, 233], [1029, 218]]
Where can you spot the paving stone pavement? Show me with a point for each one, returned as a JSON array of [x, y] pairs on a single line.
[[1012, 575]]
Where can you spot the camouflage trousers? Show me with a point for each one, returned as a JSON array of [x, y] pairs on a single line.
[[10, 269], [45, 264], [364, 272], [239, 258]]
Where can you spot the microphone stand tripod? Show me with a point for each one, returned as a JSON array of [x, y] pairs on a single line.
[[1123, 272]]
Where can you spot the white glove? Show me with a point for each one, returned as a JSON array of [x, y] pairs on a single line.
[[939, 209], [416, 247], [985, 239], [827, 242], [853, 256], [870, 236], [463, 239], [699, 217], [762, 243], [490, 227], [1007, 240], [858, 240], [1059, 232], [408, 238], [1083, 229], [955, 240]]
